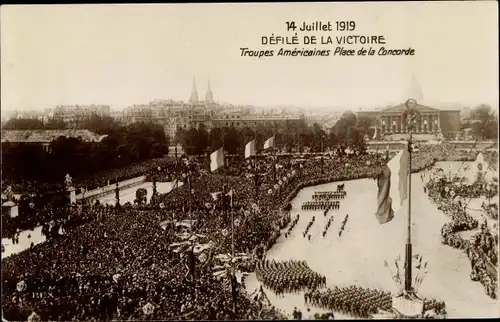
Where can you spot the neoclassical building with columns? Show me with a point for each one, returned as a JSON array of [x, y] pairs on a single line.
[[429, 120]]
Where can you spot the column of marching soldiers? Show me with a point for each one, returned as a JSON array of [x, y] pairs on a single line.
[[293, 276], [326, 201]]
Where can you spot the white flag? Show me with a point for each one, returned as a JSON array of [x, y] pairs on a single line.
[[269, 143], [215, 195], [392, 186], [217, 160], [250, 149], [164, 224], [375, 134], [399, 178], [230, 194]]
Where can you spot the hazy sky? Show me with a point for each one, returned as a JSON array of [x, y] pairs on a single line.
[[126, 54]]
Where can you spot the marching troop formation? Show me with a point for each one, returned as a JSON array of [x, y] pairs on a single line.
[[325, 230], [309, 225], [289, 276], [342, 226], [353, 300], [292, 225], [439, 307], [320, 205], [326, 200], [361, 302]]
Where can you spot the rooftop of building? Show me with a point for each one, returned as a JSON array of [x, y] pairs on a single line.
[[83, 106], [402, 107], [256, 117]]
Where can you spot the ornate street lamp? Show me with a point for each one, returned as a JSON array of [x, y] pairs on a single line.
[[410, 116]]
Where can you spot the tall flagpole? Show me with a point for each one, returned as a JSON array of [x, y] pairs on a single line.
[[224, 192], [189, 178], [255, 170], [274, 159], [233, 285], [411, 106], [298, 143], [322, 166]]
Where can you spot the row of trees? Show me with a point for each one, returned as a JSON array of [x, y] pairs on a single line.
[[95, 123], [137, 142], [289, 136], [33, 124], [482, 122], [122, 146]]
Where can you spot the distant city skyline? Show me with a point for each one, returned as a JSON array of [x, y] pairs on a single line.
[[120, 55]]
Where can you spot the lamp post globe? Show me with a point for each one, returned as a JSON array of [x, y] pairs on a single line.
[[411, 104]]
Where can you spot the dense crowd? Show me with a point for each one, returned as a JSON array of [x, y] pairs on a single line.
[[483, 255], [80, 271], [491, 210], [43, 200], [52, 218], [128, 241], [117, 263], [482, 249], [159, 166]]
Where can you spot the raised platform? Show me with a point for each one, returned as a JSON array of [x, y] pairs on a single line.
[[406, 306]]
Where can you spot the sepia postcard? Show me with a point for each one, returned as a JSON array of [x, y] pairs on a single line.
[[244, 161]]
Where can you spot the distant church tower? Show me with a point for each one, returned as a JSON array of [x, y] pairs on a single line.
[[209, 96], [194, 93]]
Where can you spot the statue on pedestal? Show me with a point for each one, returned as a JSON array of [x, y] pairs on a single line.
[[9, 194], [68, 181]]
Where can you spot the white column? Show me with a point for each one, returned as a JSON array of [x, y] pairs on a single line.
[[72, 194]]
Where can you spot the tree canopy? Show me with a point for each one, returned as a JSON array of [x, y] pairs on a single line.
[[122, 146], [483, 122], [289, 136]]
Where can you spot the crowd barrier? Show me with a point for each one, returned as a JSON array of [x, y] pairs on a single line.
[[110, 188]]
